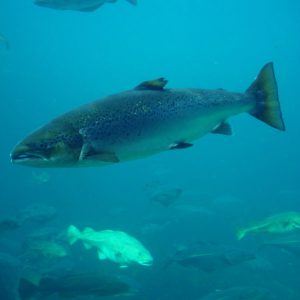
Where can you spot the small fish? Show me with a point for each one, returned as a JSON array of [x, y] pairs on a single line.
[[93, 284], [79, 5], [9, 224], [279, 223], [116, 246], [166, 197], [36, 213], [48, 249], [209, 257], [4, 41], [144, 121]]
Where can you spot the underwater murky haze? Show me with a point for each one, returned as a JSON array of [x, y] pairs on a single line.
[[58, 60]]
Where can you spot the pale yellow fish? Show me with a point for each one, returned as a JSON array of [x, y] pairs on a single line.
[[116, 246], [279, 223]]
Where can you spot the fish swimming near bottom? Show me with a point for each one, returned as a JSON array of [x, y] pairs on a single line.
[[144, 121], [116, 246], [79, 5], [93, 284], [276, 224], [209, 257]]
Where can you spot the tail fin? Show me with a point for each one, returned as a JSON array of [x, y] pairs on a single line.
[[264, 90], [73, 234], [27, 290]]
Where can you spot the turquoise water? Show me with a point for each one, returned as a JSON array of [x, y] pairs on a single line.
[[59, 60]]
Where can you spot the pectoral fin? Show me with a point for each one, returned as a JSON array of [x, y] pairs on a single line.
[[88, 152], [180, 145], [156, 84], [223, 128]]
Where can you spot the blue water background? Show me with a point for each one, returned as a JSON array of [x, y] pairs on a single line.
[[59, 60]]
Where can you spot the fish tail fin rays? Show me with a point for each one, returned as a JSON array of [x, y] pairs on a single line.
[[241, 234], [133, 2], [264, 90], [73, 234], [27, 290]]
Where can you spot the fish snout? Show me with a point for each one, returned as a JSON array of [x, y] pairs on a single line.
[[148, 262], [24, 155]]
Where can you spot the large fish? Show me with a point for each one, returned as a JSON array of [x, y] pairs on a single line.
[[146, 120], [89, 284], [80, 5]]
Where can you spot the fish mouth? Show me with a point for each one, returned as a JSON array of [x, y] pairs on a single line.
[[21, 158], [147, 264]]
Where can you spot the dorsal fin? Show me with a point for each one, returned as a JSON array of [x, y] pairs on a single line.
[[156, 84]]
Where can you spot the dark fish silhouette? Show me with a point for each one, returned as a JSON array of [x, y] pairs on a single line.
[[79, 5], [35, 213], [74, 285], [166, 197], [209, 257]]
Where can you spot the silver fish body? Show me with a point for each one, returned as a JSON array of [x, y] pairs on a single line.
[[141, 122]]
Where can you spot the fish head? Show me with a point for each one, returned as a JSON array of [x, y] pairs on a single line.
[[48, 148], [143, 257]]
